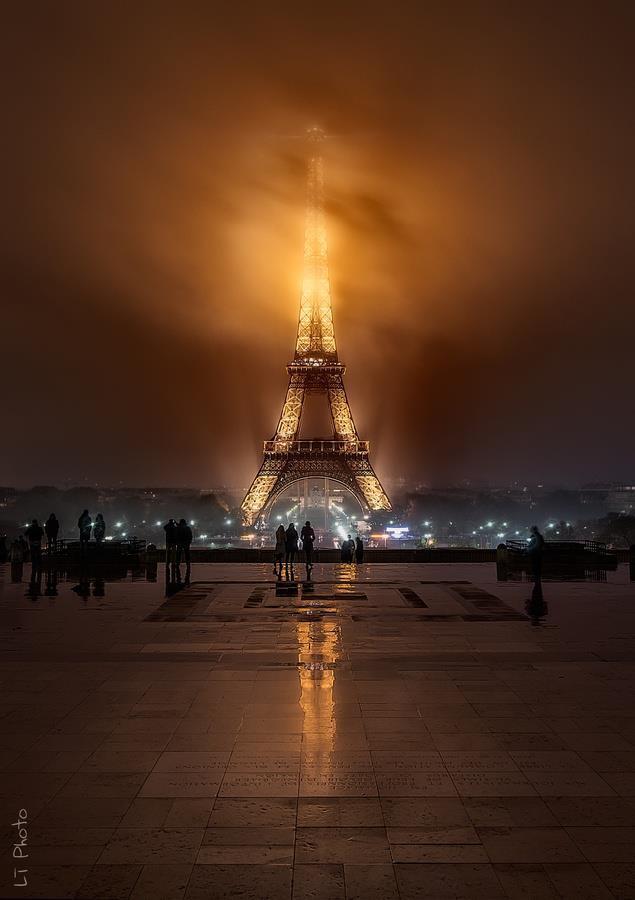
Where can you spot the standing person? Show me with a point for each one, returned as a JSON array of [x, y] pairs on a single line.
[[184, 539], [359, 550], [535, 547], [171, 529], [52, 528], [16, 557], [279, 550], [99, 528], [290, 548], [349, 546], [35, 533], [85, 525], [308, 538]]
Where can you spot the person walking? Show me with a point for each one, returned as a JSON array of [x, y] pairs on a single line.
[[290, 548], [99, 528], [308, 539], [535, 548], [35, 533], [51, 528], [184, 539], [359, 550], [85, 525], [279, 550]]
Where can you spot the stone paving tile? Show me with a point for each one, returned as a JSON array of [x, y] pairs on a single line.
[[344, 845], [249, 882], [445, 881], [529, 845], [272, 784], [246, 812], [360, 812], [152, 845], [162, 882], [319, 882], [109, 882]]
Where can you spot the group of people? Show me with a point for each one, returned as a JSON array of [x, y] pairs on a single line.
[[288, 546], [289, 542]]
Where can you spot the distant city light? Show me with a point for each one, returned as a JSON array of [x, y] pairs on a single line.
[[118, 524], [501, 534], [203, 536], [124, 533], [426, 523], [551, 525], [108, 537], [505, 524], [158, 523], [228, 521], [489, 524], [279, 518], [192, 522]]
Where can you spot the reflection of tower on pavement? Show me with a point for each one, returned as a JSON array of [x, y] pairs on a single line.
[[319, 650]]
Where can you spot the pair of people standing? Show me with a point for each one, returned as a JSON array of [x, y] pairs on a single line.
[[352, 549], [287, 547], [178, 540], [86, 525]]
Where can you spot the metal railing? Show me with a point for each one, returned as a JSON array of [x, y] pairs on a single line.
[[316, 446]]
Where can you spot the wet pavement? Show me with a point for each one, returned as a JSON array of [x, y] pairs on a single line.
[[390, 731]]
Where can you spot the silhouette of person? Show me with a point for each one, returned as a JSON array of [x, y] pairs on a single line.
[[85, 525], [347, 550], [359, 550], [52, 528], [24, 547], [535, 547], [16, 558], [290, 548], [4, 552], [171, 531], [183, 540], [308, 538], [35, 533], [99, 528], [279, 550]]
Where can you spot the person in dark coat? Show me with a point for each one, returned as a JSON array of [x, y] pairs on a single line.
[[85, 526], [171, 533], [535, 549], [99, 528], [35, 533], [279, 550], [359, 550], [290, 547], [308, 539], [52, 529]]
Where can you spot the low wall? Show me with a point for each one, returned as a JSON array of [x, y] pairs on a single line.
[[329, 555]]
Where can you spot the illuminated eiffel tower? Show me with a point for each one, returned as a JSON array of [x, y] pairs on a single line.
[[315, 369]]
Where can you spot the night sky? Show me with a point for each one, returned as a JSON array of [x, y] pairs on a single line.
[[481, 225]]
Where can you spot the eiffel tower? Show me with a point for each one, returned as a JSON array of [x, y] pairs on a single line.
[[315, 369]]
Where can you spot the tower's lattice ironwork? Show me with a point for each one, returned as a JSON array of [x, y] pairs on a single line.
[[315, 369]]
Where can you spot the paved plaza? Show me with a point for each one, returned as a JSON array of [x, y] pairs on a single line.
[[397, 731]]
